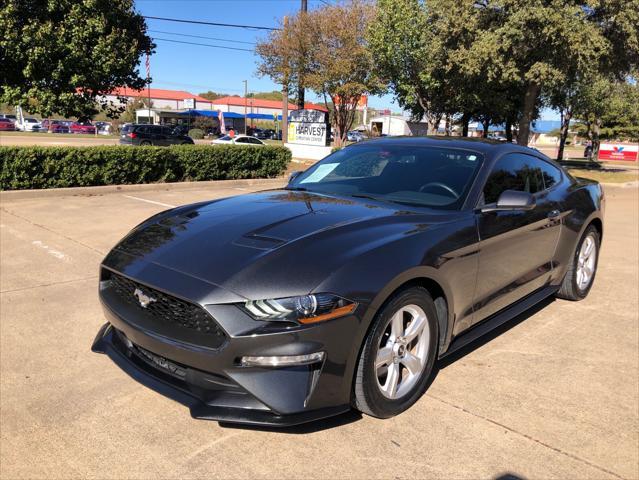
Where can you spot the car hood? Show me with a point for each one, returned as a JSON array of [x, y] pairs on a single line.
[[257, 244]]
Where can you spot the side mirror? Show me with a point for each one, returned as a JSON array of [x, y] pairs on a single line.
[[511, 200], [293, 175]]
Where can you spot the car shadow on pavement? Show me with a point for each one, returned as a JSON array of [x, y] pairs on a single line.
[[353, 416]]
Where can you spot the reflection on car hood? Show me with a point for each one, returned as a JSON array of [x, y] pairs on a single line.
[[264, 236]]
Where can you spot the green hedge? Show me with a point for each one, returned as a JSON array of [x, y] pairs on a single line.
[[53, 167], [196, 133]]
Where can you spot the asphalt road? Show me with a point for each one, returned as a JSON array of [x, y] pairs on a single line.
[[553, 396]]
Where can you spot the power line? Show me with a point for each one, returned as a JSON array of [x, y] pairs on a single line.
[[204, 44], [200, 36], [197, 22]]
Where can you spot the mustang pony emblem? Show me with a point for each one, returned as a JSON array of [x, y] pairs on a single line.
[[144, 299]]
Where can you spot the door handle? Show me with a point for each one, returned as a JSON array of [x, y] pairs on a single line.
[[553, 214]]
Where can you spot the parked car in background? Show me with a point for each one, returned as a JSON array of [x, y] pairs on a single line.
[[9, 116], [7, 125], [355, 136], [83, 127], [495, 136], [29, 124], [265, 134], [157, 135], [55, 126], [238, 140], [104, 128]]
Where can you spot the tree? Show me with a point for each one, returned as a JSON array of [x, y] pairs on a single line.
[[210, 95], [326, 51], [546, 45], [609, 109], [423, 50], [64, 55]]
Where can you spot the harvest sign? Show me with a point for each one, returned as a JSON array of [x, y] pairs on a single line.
[[308, 127], [619, 151]]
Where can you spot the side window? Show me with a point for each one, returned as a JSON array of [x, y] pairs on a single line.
[[551, 174], [142, 130], [241, 140], [513, 172], [254, 141], [167, 130]]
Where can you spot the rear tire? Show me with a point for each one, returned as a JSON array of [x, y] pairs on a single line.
[[398, 355], [583, 267]]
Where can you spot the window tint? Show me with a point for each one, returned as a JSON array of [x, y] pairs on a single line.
[[551, 174], [513, 172], [142, 129], [242, 140], [254, 141]]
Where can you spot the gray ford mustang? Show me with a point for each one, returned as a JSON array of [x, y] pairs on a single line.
[[342, 289]]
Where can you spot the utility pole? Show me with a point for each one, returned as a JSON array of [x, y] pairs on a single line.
[[300, 87], [285, 100], [245, 100]]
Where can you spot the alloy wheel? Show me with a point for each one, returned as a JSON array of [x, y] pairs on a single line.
[[586, 262], [402, 352]]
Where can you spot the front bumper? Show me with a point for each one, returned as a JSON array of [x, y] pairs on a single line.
[[207, 402], [212, 381]]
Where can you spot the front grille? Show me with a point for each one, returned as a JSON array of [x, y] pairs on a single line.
[[168, 309]]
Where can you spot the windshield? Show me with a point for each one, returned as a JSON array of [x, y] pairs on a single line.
[[423, 176], [225, 138]]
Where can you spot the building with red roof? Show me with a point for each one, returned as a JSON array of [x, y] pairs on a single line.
[[182, 100]]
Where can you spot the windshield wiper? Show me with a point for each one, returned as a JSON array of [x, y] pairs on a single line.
[[363, 195], [384, 199]]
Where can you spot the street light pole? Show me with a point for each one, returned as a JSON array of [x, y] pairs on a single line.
[[245, 100]]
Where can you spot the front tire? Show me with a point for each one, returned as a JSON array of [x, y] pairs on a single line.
[[581, 272], [398, 355]]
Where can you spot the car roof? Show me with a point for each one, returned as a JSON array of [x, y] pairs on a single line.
[[485, 146]]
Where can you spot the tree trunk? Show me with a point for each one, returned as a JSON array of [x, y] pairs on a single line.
[[485, 123], [509, 131], [284, 113], [596, 126], [448, 132], [563, 133], [464, 121], [530, 100]]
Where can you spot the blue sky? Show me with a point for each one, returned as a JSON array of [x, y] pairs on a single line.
[[197, 69]]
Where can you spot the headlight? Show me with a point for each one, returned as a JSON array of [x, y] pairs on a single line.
[[305, 309]]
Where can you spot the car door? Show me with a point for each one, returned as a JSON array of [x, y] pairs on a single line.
[[157, 138], [516, 247], [254, 141]]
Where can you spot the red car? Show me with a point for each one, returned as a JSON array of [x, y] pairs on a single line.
[[7, 125], [82, 127], [55, 126]]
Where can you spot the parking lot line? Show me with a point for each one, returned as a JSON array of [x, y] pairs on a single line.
[[150, 201]]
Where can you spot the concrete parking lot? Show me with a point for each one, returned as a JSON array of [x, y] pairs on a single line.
[[555, 395]]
